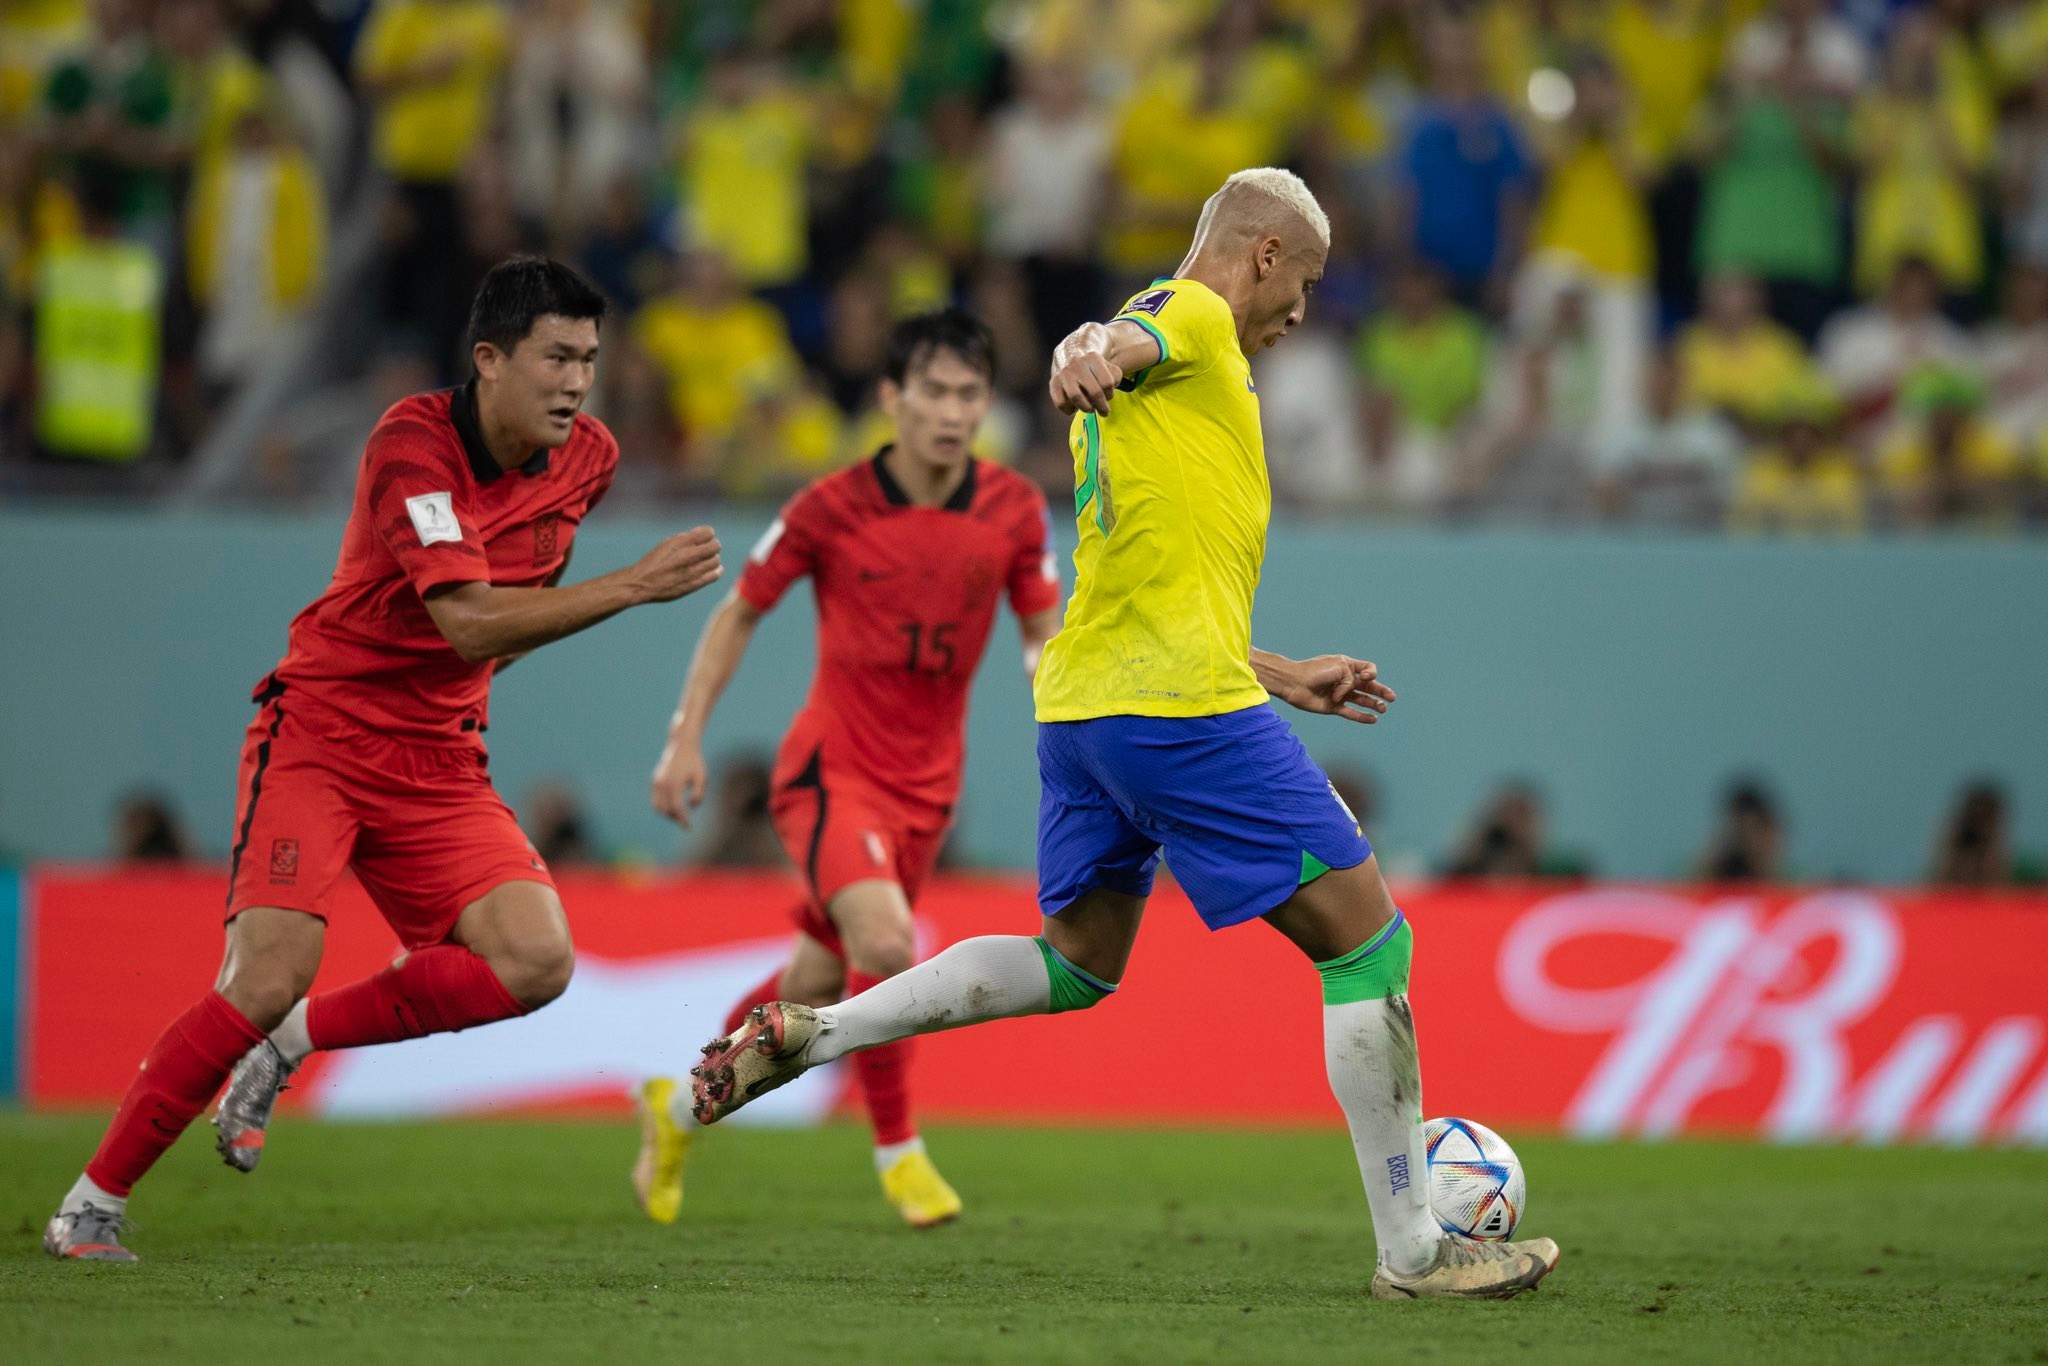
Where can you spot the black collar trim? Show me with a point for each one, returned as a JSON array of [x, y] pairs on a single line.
[[961, 501], [462, 411]]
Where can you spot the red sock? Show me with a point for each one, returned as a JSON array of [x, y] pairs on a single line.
[[770, 990], [884, 1074], [180, 1074], [434, 990]]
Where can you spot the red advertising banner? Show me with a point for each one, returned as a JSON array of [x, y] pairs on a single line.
[[1604, 1010]]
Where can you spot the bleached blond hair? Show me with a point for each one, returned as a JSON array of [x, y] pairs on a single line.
[[1261, 201]]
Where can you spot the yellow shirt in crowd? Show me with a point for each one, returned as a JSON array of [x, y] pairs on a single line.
[[786, 440], [1592, 210], [1824, 497], [716, 360], [1514, 43], [2019, 44], [1914, 202], [1983, 456], [1669, 55], [875, 38], [743, 183], [1169, 157], [296, 228], [1744, 373], [33, 35], [425, 131], [221, 92]]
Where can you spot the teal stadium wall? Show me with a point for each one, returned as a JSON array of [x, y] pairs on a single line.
[[13, 999], [1629, 676]]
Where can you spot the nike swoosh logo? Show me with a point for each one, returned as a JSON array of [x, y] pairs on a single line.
[[872, 576], [755, 1088]]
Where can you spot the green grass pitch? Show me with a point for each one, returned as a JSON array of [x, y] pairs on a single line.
[[513, 1242]]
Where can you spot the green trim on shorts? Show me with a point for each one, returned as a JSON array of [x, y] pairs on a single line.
[[1376, 969], [1311, 868], [1073, 988]]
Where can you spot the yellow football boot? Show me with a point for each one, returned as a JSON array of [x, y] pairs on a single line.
[[658, 1171], [913, 1185]]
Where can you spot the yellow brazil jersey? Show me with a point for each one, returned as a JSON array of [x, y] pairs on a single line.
[[717, 359], [743, 177], [1172, 498], [426, 128], [1983, 455]]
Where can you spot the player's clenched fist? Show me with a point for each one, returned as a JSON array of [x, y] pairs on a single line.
[[684, 563], [679, 781], [1083, 375]]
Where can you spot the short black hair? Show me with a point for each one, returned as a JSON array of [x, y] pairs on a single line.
[[521, 290], [914, 341]]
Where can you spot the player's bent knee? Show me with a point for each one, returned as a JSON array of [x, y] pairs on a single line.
[[272, 956], [533, 970], [875, 928], [519, 930], [551, 982], [264, 995]]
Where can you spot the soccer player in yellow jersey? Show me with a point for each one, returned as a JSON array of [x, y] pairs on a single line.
[[1155, 734]]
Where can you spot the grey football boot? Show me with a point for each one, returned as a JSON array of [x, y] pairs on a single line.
[[245, 1107], [89, 1233]]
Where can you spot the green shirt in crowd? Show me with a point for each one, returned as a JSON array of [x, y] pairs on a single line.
[[1771, 208], [1434, 369]]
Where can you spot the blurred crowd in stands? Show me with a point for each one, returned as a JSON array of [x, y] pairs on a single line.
[[1779, 265], [1508, 837]]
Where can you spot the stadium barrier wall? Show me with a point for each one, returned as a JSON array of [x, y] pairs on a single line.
[[13, 1001], [1629, 676], [1789, 1014]]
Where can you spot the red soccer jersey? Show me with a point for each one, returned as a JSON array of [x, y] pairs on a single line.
[[432, 507], [906, 596]]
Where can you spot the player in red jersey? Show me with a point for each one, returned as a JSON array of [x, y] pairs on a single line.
[[907, 554], [366, 752]]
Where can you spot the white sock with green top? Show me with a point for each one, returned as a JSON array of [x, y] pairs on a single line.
[[993, 977], [1369, 1053]]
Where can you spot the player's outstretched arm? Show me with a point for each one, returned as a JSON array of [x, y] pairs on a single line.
[[1329, 685], [680, 774], [1093, 360], [554, 580], [486, 621]]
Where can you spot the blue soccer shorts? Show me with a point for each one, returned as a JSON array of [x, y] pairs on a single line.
[[1243, 814]]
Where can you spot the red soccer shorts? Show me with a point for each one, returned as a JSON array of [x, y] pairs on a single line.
[[838, 834], [421, 826]]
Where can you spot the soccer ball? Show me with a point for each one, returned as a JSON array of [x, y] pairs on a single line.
[[1476, 1186]]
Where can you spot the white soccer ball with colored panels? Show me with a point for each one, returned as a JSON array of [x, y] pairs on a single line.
[[1476, 1187]]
